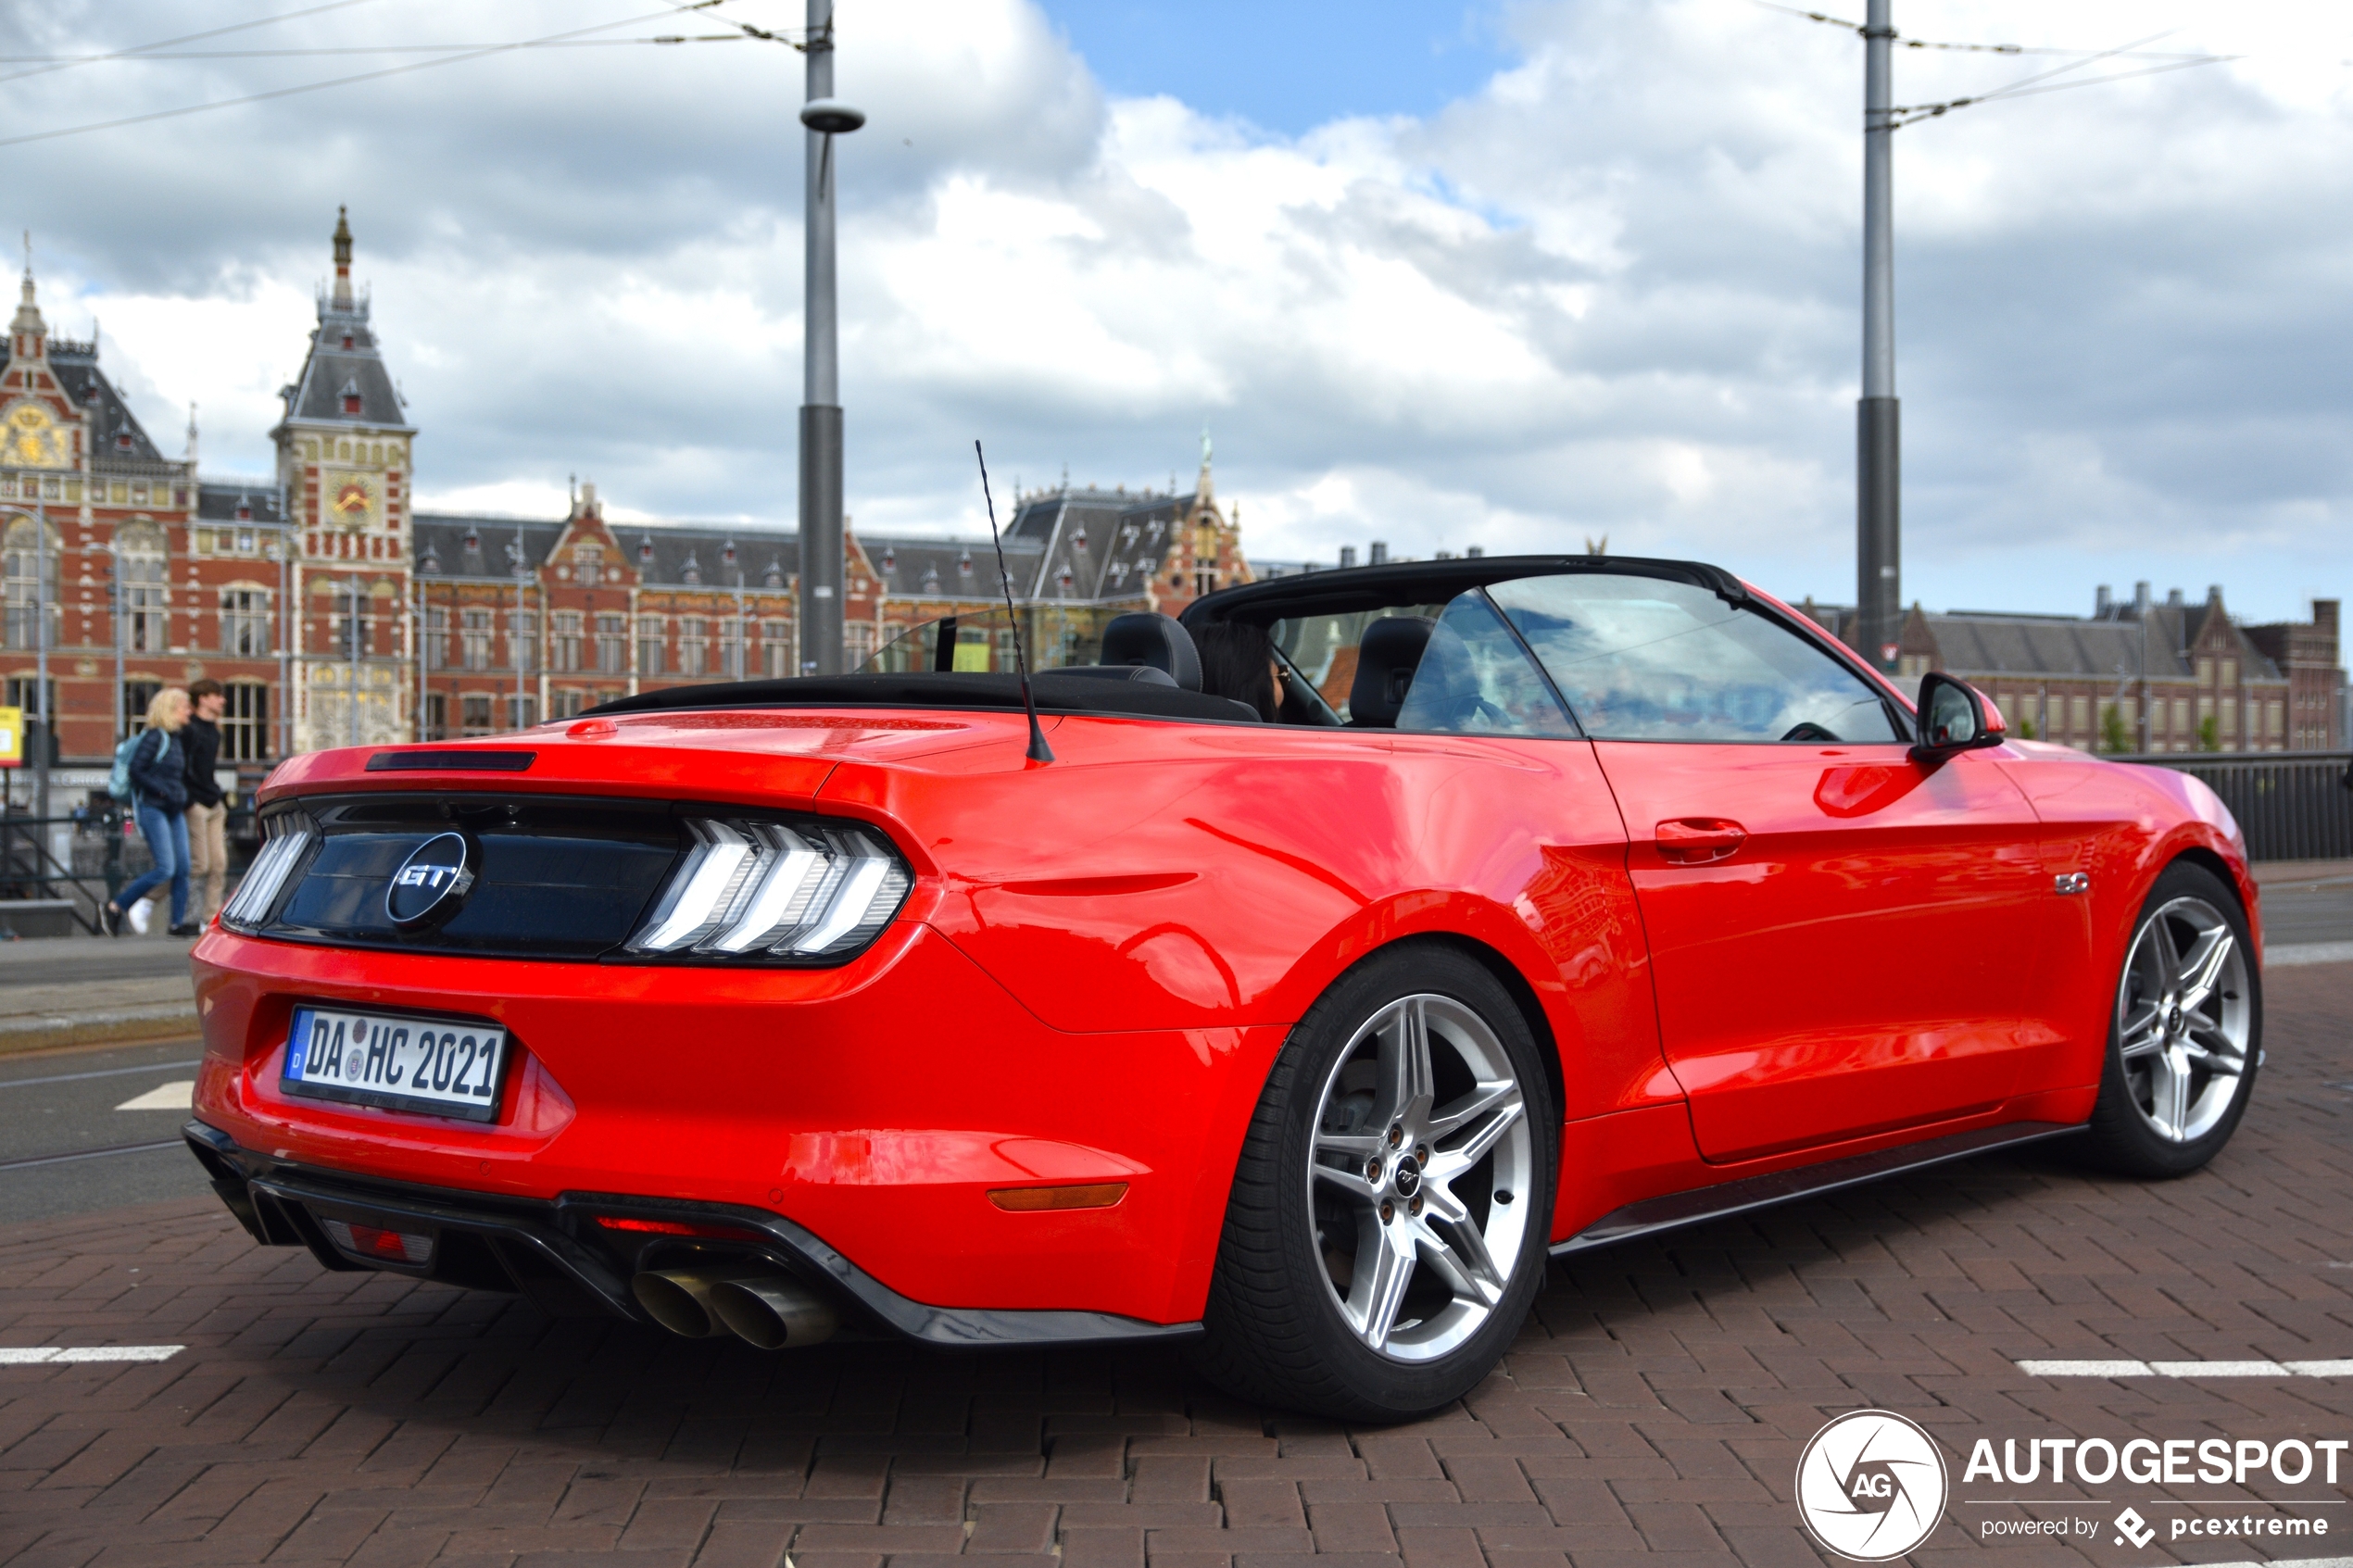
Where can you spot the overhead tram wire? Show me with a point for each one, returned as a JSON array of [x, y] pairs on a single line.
[[137, 50], [362, 49], [765, 35], [1913, 114], [2031, 86], [350, 81], [2127, 53], [1902, 115]]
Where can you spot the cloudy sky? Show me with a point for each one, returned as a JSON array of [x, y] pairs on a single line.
[[1515, 274]]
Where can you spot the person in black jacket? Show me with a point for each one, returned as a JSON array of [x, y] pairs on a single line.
[[159, 798], [208, 807]]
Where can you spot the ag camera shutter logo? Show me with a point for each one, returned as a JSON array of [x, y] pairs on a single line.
[[1871, 1485], [431, 882]]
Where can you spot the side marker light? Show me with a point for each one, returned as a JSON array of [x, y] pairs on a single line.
[[1031, 1199]]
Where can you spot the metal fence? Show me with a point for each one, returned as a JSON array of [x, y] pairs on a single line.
[[2291, 805], [102, 852]]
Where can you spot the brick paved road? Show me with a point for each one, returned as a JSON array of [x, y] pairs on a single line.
[[1651, 1415]]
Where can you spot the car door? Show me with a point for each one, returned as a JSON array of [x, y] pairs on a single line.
[[1843, 938]]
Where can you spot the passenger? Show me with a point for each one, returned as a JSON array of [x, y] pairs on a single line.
[[1238, 662]]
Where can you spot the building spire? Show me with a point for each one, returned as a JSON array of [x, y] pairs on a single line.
[[342, 260], [28, 324], [192, 434], [1203, 489]]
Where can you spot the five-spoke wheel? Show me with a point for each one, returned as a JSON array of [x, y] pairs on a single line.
[[2187, 1034], [1418, 1176], [2182, 1017], [1386, 1226]]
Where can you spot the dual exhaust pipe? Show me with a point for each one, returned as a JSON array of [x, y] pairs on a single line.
[[757, 1305]]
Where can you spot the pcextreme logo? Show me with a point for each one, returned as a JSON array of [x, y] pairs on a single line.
[[1871, 1485]]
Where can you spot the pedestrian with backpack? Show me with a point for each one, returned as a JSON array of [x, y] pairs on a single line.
[[154, 772]]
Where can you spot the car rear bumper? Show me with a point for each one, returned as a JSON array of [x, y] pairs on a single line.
[[891, 1107], [557, 1253]]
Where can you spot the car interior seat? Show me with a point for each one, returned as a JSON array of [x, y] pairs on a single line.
[[1148, 647], [1385, 659]]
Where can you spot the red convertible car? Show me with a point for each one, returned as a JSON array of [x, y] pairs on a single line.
[[1499, 908]]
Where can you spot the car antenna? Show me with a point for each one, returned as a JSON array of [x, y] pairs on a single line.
[[1038, 751]]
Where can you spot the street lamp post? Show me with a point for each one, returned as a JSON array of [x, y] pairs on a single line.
[[821, 550], [1878, 587], [43, 718], [352, 683]]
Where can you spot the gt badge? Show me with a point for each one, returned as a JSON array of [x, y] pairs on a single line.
[[431, 882]]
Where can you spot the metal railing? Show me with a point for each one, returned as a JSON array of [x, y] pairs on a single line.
[[2291, 805], [102, 857]]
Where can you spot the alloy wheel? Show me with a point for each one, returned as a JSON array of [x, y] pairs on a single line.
[[1418, 1179], [2183, 1019]]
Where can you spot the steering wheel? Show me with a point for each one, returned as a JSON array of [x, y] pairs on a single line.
[[1808, 730]]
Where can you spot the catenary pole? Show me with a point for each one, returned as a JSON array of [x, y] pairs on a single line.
[[823, 118], [40, 735], [353, 685], [286, 628], [1878, 587], [821, 456], [515, 638]]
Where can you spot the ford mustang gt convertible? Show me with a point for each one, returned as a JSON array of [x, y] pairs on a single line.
[[1496, 908]]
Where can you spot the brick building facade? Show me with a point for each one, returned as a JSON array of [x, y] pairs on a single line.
[[2157, 675], [333, 613]]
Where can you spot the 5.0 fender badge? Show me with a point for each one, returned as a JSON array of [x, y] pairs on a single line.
[[431, 882]]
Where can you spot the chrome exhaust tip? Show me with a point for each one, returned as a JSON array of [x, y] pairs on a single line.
[[773, 1311], [679, 1300]]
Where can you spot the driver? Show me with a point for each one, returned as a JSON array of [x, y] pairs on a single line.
[[1239, 661]]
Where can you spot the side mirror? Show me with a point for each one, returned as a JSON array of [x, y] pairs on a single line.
[[1953, 717]]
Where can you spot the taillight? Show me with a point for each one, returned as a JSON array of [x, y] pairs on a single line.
[[801, 889], [289, 835]]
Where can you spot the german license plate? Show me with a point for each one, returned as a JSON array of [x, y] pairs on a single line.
[[404, 1061]]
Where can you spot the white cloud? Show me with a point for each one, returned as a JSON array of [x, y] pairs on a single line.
[[1614, 292]]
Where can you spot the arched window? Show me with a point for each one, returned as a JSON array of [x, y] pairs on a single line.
[[22, 563], [141, 565]]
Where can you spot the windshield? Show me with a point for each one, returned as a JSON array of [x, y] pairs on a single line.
[[1650, 658]]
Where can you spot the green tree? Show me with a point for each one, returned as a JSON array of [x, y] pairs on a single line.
[[2024, 728], [2114, 739], [2209, 734]]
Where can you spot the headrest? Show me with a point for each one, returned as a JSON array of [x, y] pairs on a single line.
[[1136, 674], [1155, 641], [1386, 659]]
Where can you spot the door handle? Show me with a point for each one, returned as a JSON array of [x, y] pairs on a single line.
[[1695, 841]]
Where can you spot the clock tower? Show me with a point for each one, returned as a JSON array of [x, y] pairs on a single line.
[[344, 457]]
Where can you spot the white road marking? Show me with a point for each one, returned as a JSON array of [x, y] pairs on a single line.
[[59, 1355], [178, 1095], [2187, 1369], [2291, 953]]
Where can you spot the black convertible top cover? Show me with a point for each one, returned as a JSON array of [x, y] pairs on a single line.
[[1056, 692], [1349, 589]]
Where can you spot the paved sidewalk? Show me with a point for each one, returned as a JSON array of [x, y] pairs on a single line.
[[81, 990], [1650, 1415]]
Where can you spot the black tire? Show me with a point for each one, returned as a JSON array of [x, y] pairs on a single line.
[[2125, 1135], [1277, 1333]]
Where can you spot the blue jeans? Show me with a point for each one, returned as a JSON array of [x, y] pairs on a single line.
[[167, 835]]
